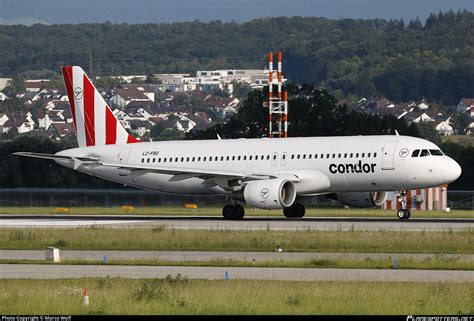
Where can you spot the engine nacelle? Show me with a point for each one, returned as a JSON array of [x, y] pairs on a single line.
[[267, 194], [362, 199]]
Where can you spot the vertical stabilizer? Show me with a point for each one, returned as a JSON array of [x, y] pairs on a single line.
[[94, 121]]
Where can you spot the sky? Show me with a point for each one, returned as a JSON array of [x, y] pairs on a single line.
[[159, 11]]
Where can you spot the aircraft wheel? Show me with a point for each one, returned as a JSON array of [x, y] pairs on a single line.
[[403, 214], [228, 211], [239, 211], [295, 210], [407, 214], [233, 212]]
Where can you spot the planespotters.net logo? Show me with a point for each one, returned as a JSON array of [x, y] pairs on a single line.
[[438, 318]]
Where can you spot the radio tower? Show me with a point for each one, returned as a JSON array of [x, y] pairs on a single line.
[[277, 106]]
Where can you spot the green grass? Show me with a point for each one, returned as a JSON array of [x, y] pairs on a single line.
[[161, 239], [182, 296], [217, 211], [436, 263], [465, 140]]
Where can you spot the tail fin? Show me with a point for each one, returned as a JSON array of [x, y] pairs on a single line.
[[94, 121]]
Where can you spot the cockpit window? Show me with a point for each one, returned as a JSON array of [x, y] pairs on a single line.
[[424, 152], [436, 152], [415, 153]]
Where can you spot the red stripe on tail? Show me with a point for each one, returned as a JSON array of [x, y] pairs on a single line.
[[89, 93], [110, 127], [67, 75], [132, 139]]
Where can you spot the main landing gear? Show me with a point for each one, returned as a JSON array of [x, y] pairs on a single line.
[[295, 210], [403, 213], [233, 212]]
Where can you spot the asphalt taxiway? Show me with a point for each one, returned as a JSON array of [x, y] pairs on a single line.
[[44, 271], [98, 255]]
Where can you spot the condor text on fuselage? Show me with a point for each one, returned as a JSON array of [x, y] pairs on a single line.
[[352, 168]]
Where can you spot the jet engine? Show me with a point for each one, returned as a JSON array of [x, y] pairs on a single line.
[[360, 199], [267, 194]]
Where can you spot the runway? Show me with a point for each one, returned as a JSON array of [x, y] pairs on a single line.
[[247, 224], [220, 255], [29, 271]]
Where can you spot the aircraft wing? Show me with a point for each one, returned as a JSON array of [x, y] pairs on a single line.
[[212, 177]]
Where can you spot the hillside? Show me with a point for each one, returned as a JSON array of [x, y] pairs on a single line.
[[398, 60]]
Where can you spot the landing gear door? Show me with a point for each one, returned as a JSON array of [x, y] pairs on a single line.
[[123, 159], [388, 156]]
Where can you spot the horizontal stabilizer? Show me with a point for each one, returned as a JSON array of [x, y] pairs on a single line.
[[55, 157]]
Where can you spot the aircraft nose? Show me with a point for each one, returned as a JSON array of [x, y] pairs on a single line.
[[453, 170]]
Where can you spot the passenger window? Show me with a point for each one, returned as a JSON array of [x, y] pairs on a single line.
[[339, 155], [345, 155], [436, 152], [327, 155], [238, 157], [375, 155], [227, 158], [274, 156], [333, 155], [363, 154], [298, 156], [284, 156], [233, 158], [176, 159], [415, 153], [245, 157], [368, 155], [351, 155], [424, 152], [322, 155], [204, 159], [304, 156], [143, 160], [153, 160], [292, 156], [357, 155], [315, 156], [310, 155], [262, 157], [148, 160], [199, 158], [164, 160], [216, 158], [159, 160], [222, 158], [250, 157]]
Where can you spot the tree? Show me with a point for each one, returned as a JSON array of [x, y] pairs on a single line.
[[428, 131]]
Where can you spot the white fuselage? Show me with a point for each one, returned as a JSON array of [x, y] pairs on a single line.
[[351, 163]]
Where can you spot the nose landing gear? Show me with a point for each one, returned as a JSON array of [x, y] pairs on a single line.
[[403, 213]]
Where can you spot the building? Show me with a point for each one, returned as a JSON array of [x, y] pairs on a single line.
[[126, 94], [465, 104], [444, 127]]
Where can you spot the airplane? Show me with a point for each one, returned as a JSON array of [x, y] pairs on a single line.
[[266, 173]]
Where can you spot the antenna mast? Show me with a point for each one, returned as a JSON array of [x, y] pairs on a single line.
[[277, 106]]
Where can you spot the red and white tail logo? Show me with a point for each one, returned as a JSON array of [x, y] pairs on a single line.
[[94, 121]]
